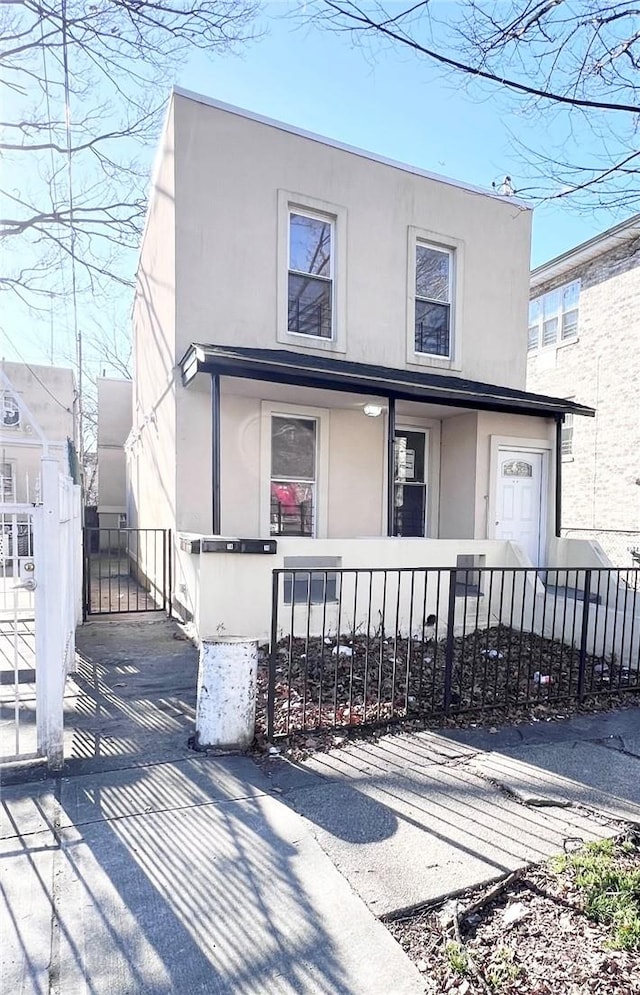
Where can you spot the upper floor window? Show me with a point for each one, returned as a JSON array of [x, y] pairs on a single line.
[[10, 411], [310, 290], [433, 296], [553, 317]]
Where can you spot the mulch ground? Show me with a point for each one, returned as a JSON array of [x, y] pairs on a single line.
[[498, 675], [551, 947]]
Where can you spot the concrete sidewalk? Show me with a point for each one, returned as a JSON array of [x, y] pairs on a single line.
[[146, 868], [414, 818], [180, 877]]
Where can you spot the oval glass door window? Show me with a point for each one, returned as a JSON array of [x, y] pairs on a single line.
[[517, 468]]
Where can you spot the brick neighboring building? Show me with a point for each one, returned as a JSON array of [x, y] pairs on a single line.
[[584, 343]]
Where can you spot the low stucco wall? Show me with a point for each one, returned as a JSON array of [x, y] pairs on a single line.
[[231, 594], [576, 553]]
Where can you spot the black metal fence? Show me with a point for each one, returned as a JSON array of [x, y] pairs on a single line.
[[367, 646], [127, 570]]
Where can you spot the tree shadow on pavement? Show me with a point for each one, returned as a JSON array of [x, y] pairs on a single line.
[[180, 878]]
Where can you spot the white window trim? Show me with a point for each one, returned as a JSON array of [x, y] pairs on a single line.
[[455, 248], [321, 416], [296, 203], [559, 342]]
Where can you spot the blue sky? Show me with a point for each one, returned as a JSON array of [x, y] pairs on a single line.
[[388, 102]]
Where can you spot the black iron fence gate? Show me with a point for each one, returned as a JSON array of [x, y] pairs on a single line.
[[127, 570]]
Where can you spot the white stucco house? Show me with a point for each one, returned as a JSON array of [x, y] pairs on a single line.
[[330, 360], [38, 406]]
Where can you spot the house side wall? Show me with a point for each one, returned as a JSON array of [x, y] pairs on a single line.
[[114, 425], [233, 173], [601, 369], [458, 476], [151, 461]]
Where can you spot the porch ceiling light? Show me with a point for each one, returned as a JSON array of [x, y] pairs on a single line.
[[373, 410]]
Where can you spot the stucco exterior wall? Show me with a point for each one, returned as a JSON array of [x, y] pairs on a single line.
[[231, 172], [151, 448], [602, 369], [351, 468], [211, 270], [240, 485], [458, 476], [114, 425]]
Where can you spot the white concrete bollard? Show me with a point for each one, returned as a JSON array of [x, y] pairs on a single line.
[[226, 702]]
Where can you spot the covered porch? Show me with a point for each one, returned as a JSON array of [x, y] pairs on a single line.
[[322, 448]]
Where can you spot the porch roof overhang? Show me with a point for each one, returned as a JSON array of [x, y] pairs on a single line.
[[284, 366]]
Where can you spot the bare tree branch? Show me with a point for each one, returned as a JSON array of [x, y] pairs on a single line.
[[579, 60]]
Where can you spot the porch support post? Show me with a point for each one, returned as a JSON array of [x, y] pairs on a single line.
[[391, 434], [558, 515], [215, 452]]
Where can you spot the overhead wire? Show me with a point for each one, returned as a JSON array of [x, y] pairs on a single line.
[[72, 228], [33, 373], [53, 189]]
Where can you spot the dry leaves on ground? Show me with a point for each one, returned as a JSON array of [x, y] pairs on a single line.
[[533, 938]]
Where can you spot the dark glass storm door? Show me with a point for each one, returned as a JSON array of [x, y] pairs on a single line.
[[410, 482]]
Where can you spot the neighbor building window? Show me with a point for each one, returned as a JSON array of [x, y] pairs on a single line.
[[553, 317], [10, 411], [7, 482], [310, 293], [433, 300], [293, 475], [566, 436]]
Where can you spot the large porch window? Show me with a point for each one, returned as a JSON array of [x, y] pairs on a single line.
[[293, 476]]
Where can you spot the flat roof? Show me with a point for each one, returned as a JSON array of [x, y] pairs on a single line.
[[354, 150], [586, 251], [285, 366]]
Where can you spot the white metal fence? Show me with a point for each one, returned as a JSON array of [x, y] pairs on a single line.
[[40, 606]]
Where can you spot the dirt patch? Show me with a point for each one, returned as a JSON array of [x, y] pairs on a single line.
[[539, 935], [496, 675]]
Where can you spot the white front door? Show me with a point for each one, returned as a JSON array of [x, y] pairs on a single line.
[[519, 500]]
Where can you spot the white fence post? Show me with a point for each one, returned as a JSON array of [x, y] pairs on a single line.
[[50, 619], [79, 552]]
